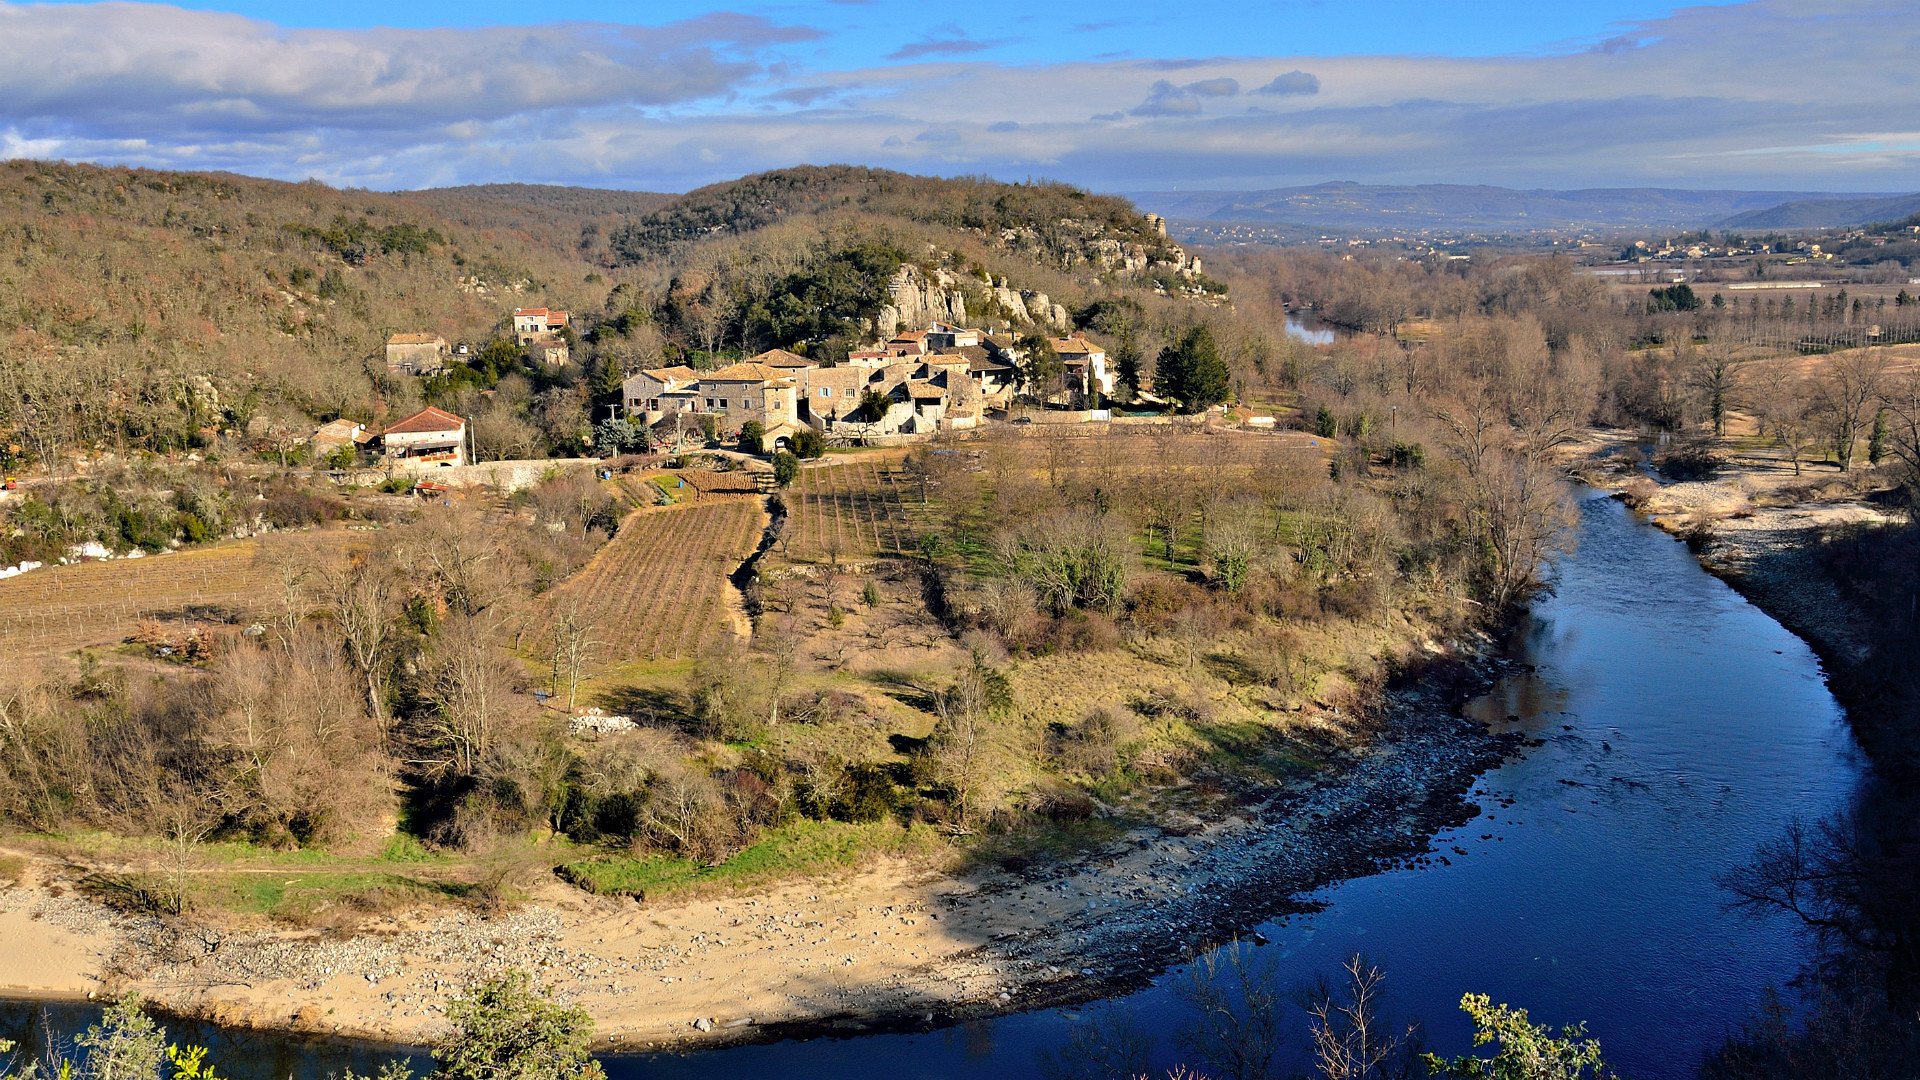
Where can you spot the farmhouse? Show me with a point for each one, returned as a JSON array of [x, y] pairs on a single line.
[[1086, 365], [429, 437], [747, 391], [537, 322], [335, 434], [417, 354], [650, 394]]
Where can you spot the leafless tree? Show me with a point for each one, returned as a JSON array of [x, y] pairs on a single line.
[[1350, 1039]]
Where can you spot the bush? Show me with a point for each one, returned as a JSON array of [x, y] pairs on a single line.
[[786, 468], [509, 1029], [807, 443], [753, 437]]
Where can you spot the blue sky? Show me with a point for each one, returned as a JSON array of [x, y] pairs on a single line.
[[859, 32], [1122, 95]]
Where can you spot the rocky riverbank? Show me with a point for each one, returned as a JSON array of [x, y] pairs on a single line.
[[1755, 524], [891, 947]]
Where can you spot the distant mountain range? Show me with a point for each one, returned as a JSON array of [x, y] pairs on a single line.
[[1346, 206], [1829, 212]]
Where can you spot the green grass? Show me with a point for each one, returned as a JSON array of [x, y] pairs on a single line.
[[12, 869], [297, 896], [801, 849]]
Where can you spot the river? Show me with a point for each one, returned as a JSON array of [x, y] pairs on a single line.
[[1679, 727]]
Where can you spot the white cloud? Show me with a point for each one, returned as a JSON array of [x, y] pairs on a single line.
[[1772, 93]]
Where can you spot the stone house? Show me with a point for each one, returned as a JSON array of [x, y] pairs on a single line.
[[335, 434], [747, 391], [651, 394], [417, 354], [429, 437], [1086, 365], [530, 324]]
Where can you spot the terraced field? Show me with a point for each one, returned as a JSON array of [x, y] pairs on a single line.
[[658, 590], [853, 507]]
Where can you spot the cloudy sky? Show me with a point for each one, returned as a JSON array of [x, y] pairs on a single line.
[[1125, 95]]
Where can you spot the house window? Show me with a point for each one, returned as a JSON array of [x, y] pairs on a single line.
[[826, 391]]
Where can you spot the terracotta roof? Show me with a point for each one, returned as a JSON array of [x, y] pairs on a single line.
[[743, 372], [678, 373], [910, 335], [949, 360], [528, 312], [415, 339], [427, 420], [1075, 344], [781, 358], [987, 363], [921, 388]]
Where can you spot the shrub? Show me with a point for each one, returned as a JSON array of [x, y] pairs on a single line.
[[786, 468]]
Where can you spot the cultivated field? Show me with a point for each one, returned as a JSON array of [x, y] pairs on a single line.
[[850, 507], [659, 589], [54, 610]]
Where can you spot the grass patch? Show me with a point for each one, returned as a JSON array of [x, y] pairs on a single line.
[[300, 897], [801, 849], [13, 869]]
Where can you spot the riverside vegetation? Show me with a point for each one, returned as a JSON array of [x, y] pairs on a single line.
[[1062, 632]]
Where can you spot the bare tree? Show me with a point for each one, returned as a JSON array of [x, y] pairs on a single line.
[[364, 599], [1350, 1040], [574, 649], [1849, 391]]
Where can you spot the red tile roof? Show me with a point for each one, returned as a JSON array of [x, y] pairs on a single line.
[[426, 420]]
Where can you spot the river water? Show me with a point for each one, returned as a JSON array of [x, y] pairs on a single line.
[[1680, 726]]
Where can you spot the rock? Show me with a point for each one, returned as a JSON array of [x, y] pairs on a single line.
[[703, 1024]]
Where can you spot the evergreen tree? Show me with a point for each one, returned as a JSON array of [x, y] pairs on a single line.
[[1877, 440], [1040, 366], [1192, 371], [1126, 362]]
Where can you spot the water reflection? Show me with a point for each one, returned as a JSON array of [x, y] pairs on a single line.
[[1677, 725]]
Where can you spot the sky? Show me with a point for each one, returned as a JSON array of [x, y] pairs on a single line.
[[1122, 95]]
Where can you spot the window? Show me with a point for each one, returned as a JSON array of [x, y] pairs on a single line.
[[826, 391]]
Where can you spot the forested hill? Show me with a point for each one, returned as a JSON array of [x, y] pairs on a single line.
[[984, 206], [1828, 213], [199, 302]]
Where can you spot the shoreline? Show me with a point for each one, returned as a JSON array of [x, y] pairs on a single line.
[[887, 949]]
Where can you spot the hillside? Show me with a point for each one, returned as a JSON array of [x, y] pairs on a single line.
[[1451, 207], [204, 303], [1827, 213]]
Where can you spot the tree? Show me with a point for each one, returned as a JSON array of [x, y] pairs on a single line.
[[753, 437], [1527, 1051], [1877, 438], [1849, 386], [1126, 362], [125, 1045], [509, 1029], [573, 648], [807, 443], [786, 468], [1350, 1041], [1192, 371], [1040, 366], [961, 737]]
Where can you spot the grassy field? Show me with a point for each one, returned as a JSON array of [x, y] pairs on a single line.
[[804, 848], [57, 609]]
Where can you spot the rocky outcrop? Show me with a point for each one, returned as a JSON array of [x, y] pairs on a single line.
[[914, 300]]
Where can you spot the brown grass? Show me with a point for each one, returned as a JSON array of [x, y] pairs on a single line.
[[57, 609]]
